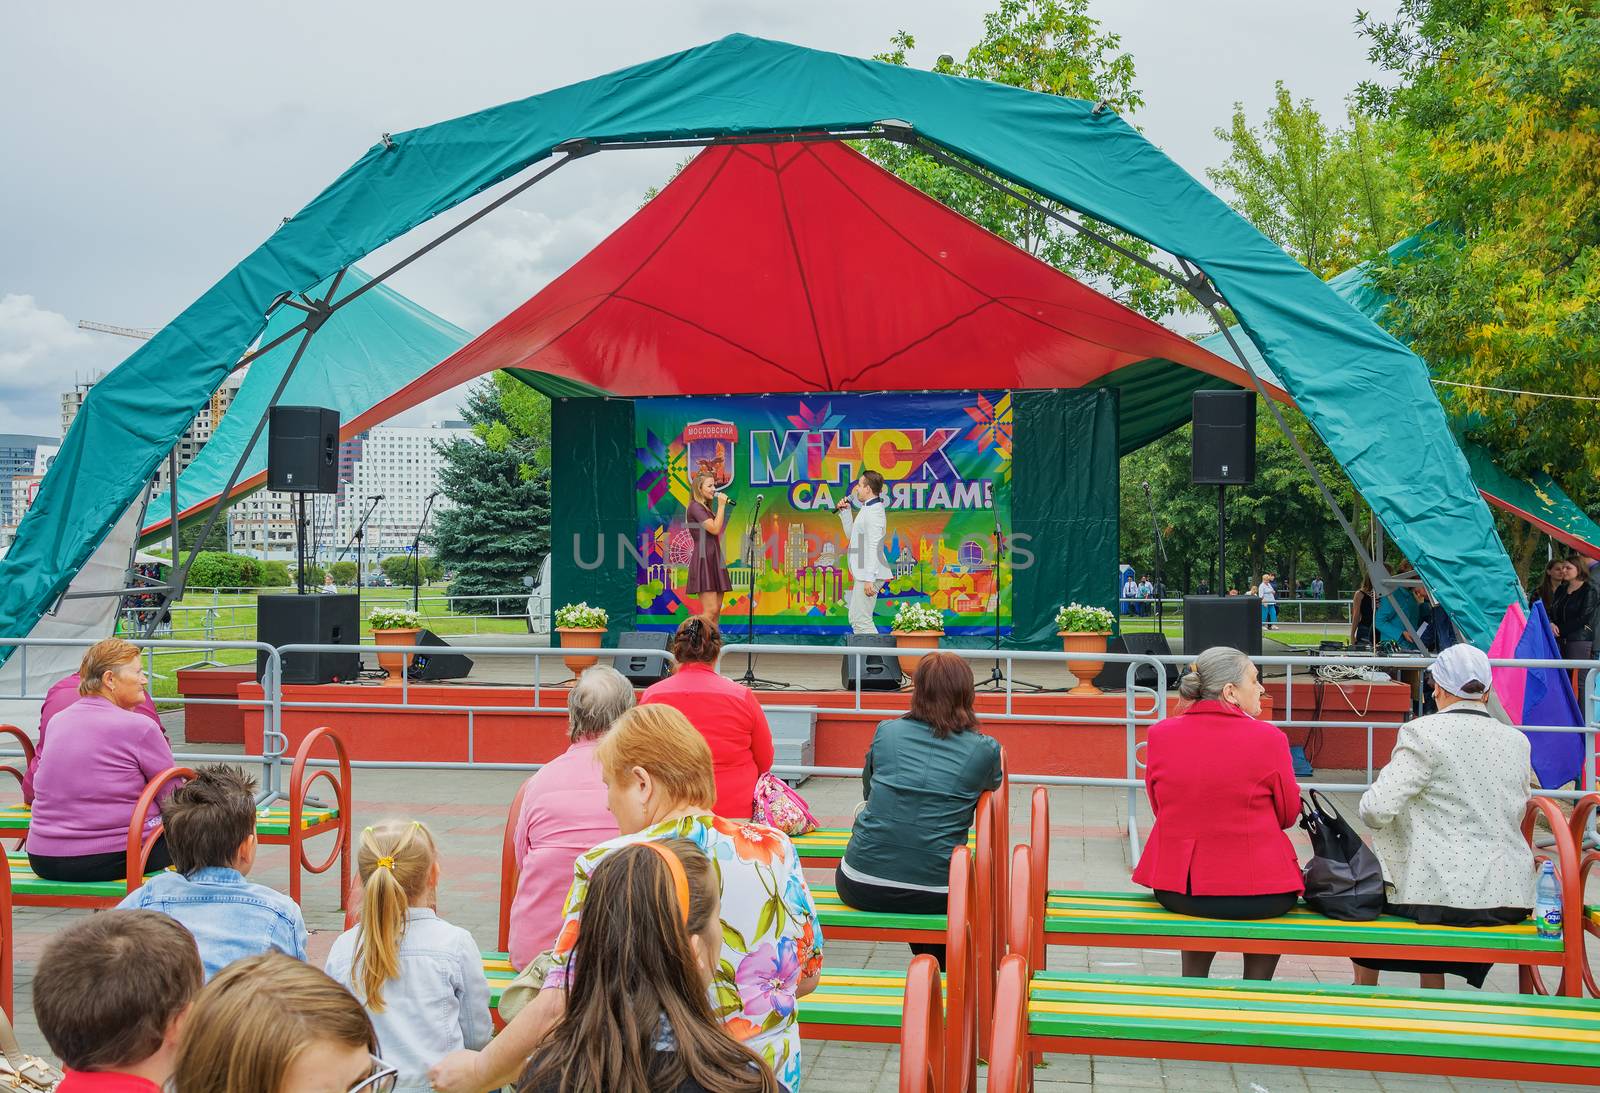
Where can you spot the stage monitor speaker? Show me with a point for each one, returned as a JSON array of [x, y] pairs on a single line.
[[1114, 677], [303, 449], [425, 666], [1224, 452], [317, 619], [642, 669], [1209, 621], [876, 671]]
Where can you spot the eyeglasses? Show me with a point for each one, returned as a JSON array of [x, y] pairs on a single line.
[[380, 1079]]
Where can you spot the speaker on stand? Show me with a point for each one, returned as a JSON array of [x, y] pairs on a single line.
[[302, 458]]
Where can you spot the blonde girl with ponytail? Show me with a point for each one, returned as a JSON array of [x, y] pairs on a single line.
[[420, 978]]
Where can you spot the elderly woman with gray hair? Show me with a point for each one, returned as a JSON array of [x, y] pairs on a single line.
[[564, 813], [1223, 791]]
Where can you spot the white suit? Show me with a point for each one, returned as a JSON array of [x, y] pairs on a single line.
[[865, 531]]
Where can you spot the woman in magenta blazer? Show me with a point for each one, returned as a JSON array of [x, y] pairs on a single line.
[[1223, 790]]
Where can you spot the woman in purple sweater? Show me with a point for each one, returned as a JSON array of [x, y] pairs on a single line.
[[102, 754]]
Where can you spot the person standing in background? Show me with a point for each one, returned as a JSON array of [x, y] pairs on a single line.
[[1268, 591], [865, 531]]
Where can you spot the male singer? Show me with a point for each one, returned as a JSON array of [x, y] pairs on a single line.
[[865, 532]]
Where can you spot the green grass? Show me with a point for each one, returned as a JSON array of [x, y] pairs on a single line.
[[236, 621]]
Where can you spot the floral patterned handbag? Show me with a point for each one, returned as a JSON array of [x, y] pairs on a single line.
[[777, 804]]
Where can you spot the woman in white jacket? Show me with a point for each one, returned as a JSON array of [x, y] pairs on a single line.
[[1446, 813]]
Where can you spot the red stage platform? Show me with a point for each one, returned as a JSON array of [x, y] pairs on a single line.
[[1052, 740]]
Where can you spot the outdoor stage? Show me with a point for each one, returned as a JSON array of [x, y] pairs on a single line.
[[1050, 736]]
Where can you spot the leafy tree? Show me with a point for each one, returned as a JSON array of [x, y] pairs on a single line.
[[498, 530], [1325, 195], [1497, 103], [275, 575], [217, 569], [1057, 48], [343, 572], [189, 534], [398, 568]]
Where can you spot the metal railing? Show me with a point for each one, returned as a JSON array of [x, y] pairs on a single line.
[[1142, 706]]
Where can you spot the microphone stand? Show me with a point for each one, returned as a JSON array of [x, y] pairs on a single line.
[[997, 678], [752, 541], [1160, 558], [359, 539], [416, 556]]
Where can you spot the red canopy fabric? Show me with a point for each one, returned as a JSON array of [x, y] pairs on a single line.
[[806, 267]]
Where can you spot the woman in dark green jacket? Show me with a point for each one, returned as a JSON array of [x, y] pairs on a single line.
[[923, 776]]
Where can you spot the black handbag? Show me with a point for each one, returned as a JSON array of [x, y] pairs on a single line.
[[1343, 878]]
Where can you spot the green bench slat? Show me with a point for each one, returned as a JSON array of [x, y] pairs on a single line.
[[274, 820], [25, 882], [1445, 1024], [829, 842], [832, 911], [1135, 913], [846, 997]]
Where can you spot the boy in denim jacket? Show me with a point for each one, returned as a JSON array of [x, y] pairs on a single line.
[[211, 833]]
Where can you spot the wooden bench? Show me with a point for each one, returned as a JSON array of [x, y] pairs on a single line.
[[1454, 1033], [1134, 920], [289, 824]]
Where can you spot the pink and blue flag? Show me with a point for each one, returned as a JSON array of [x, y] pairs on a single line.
[[1539, 696]]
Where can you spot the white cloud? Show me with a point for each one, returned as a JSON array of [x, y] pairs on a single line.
[[43, 353]]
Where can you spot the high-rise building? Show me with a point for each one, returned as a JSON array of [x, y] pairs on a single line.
[[194, 438], [21, 455]]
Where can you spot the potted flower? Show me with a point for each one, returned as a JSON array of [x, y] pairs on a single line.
[[394, 626], [1083, 630], [580, 627], [916, 626]]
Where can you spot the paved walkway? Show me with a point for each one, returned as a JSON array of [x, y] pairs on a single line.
[[466, 811]]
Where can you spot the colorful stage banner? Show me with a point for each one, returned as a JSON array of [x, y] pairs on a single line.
[[946, 458]]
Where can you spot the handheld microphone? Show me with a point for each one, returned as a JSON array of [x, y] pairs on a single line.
[[732, 504]]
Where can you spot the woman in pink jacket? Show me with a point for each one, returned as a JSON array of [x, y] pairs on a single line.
[[563, 814]]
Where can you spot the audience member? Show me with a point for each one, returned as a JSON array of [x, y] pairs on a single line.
[[1222, 788], [111, 995], [922, 778], [563, 813], [102, 754], [420, 978], [63, 693], [1363, 606], [660, 785], [1575, 605], [274, 1024], [1555, 579], [726, 714], [210, 827], [1268, 591], [1447, 817], [638, 1016]]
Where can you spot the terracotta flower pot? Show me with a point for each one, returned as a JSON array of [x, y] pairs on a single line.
[[1084, 671], [915, 639], [580, 637], [395, 663]]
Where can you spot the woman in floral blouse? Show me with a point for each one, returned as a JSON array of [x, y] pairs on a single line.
[[659, 782]]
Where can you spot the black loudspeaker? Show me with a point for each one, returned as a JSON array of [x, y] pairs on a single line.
[[437, 665], [1114, 677], [317, 619], [1224, 438], [1209, 621], [642, 669], [877, 672], [303, 449]]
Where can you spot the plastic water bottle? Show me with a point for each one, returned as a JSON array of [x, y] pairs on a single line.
[[1547, 903]]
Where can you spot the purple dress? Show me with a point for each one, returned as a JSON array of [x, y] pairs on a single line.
[[706, 571]]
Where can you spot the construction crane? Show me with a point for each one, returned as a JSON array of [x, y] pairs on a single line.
[[136, 332]]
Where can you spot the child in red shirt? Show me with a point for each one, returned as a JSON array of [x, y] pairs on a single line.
[[111, 994]]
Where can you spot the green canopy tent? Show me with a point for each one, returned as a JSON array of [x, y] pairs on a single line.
[[1404, 461]]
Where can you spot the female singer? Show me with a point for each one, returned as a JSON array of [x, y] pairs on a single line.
[[708, 577]]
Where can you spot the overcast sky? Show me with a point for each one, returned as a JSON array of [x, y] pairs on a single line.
[[144, 149]]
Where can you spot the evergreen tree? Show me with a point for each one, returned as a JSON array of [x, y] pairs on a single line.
[[499, 528]]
